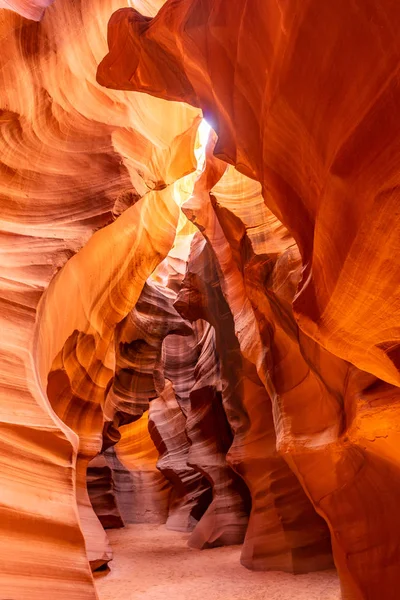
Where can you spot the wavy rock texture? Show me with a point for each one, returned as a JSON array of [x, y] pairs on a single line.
[[72, 155], [247, 241], [284, 532], [30, 10], [335, 388], [138, 380], [139, 338], [101, 490], [191, 493], [320, 135], [143, 492], [271, 360], [82, 371], [207, 428], [309, 170], [307, 441]]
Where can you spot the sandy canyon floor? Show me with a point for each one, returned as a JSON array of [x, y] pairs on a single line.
[[152, 563]]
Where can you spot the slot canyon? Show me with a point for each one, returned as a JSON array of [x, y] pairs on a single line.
[[199, 300]]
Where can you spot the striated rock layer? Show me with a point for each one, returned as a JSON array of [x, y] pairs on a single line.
[[208, 430], [101, 489], [242, 303], [143, 492], [73, 157], [303, 98], [284, 532], [191, 494], [309, 152]]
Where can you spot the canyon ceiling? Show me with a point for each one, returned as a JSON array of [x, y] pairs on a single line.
[[199, 286]]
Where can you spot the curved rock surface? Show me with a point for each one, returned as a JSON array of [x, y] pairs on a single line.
[[265, 345], [283, 533], [72, 154], [143, 492], [138, 374], [101, 489], [33, 10], [319, 132], [191, 492], [207, 427], [310, 153]]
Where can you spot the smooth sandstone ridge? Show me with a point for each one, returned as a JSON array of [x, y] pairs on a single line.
[[73, 157], [303, 99], [200, 318]]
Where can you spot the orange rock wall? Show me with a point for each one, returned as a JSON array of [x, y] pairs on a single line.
[[71, 155], [269, 342], [302, 97]]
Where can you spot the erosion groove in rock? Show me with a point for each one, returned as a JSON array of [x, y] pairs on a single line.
[[138, 374], [321, 139], [310, 153], [207, 427], [70, 152], [199, 286], [191, 493], [101, 490], [282, 534], [84, 362], [143, 491]]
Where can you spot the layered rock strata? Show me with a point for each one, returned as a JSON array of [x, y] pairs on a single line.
[[321, 139], [287, 377], [142, 491], [191, 492], [284, 532], [306, 167], [210, 435], [138, 372], [101, 489], [70, 151]]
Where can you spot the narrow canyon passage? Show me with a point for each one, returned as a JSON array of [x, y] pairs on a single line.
[[152, 563], [199, 299]]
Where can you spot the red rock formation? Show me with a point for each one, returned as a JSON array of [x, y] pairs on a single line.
[[320, 135], [289, 370], [143, 492], [101, 489], [138, 379], [247, 241], [208, 430], [326, 384], [69, 151], [82, 371], [309, 154], [191, 493], [139, 339], [284, 531]]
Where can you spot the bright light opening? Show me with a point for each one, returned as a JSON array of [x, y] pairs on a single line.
[[203, 134]]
